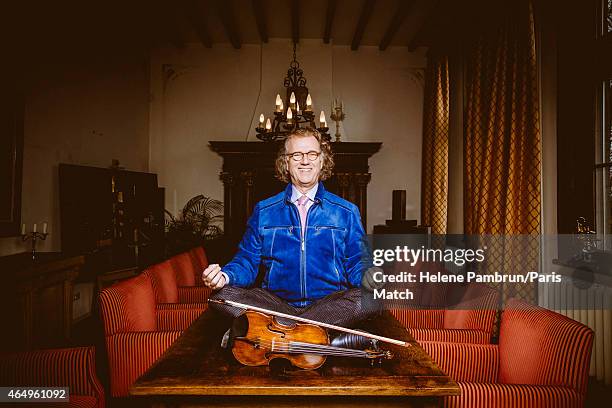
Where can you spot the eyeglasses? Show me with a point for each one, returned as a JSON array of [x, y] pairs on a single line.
[[298, 156]]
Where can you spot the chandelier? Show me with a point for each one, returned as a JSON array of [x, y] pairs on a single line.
[[299, 109]]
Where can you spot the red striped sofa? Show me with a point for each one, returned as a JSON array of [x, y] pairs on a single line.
[[542, 360], [471, 321], [165, 277], [136, 331], [70, 367]]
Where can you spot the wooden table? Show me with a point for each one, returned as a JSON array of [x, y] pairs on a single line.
[[196, 371]]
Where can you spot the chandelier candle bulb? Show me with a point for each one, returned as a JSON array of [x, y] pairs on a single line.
[[268, 124], [322, 119], [34, 228], [308, 103], [279, 103], [45, 228], [297, 108], [289, 118], [261, 119], [292, 98]]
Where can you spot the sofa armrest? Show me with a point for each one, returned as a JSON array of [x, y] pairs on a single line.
[[465, 362], [451, 335], [419, 318], [176, 319], [193, 294], [514, 395], [68, 367], [131, 354]]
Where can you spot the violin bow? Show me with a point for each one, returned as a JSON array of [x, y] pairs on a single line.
[[304, 320]]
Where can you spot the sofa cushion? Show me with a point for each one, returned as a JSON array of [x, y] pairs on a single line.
[[129, 306], [163, 278], [185, 269]]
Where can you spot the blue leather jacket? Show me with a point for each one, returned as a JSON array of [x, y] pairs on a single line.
[[330, 257]]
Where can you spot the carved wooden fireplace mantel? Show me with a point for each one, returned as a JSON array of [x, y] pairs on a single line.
[[248, 177]]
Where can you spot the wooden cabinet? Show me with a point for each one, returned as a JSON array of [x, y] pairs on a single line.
[[36, 300], [114, 216]]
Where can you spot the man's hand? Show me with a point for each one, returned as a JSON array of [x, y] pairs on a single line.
[[214, 277], [368, 281]]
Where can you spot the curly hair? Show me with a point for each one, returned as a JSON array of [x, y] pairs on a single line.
[[282, 170]]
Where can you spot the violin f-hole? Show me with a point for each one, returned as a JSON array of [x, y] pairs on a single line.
[[275, 330]]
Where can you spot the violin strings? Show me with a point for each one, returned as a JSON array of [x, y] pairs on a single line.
[[283, 345], [308, 346], [299, 347]]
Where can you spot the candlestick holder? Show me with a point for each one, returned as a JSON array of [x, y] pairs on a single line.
[[338, 116], [34, 236]]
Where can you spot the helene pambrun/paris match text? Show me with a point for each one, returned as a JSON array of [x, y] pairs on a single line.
[[426, 256]]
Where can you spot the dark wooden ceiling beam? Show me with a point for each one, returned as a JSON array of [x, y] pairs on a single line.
[[329, 20], [445, 24], [172, 30], [295, 21], [226, 14], [165, 24], [260, 19], [366, 12], [195, 15], [429, 23], [398, 18]]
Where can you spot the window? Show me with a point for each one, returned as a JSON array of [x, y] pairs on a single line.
[[608, 16], [604, 168]]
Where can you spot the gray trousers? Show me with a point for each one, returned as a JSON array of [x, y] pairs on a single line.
[[341, 308]]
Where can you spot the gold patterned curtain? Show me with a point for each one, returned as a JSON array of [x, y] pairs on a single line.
[[502, 145], [434, 189]]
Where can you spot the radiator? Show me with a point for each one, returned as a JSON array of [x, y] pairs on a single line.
[[590, 305]]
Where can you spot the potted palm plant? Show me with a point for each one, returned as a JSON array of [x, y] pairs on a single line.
[[198, 223]]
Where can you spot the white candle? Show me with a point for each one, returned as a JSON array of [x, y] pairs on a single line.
[[289, 115], [292, 98], [308, 103], [34, 228], [45, 228], [297, 109], [322, 119], [261, 120], [22, 229], [268, 124]]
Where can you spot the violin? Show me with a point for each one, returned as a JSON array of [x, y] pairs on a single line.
[[306, 344]]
